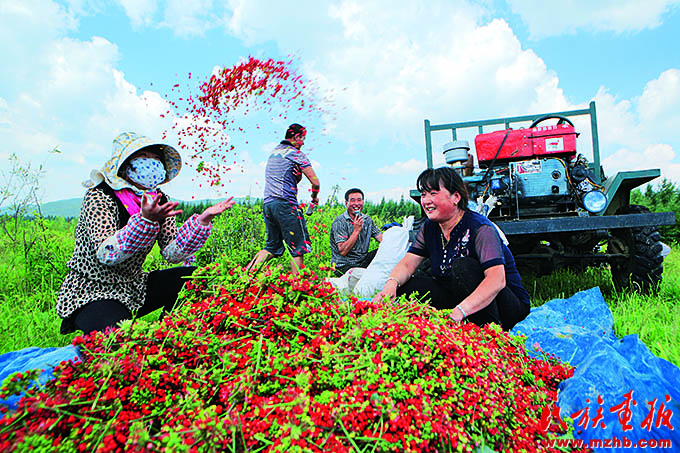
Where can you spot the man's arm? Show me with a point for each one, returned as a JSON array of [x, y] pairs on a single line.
[[314, 181]]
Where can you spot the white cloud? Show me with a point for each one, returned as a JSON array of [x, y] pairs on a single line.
[[649, 118], [27, 28], [184, 17], [622, 160], [122, 109], [659, 105], [190, 17], [77, 70], [653, 156], [4, 112], [78, 101], [396, 75], [349, 13], [641, 133], [242, 178], [382, 70], [140, 12], [546, 19], [660, 153], [268, 147], [617, 120], [389, 194], [384, 75], [51, 106], [403, 168], [293, 26], [31, 22]]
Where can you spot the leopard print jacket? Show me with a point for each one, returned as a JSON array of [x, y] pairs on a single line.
[[101, 216]]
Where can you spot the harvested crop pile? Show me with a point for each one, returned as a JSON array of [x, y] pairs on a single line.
[[274, 362]]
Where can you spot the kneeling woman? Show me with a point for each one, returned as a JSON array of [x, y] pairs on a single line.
[[472, 270], [121, 218]]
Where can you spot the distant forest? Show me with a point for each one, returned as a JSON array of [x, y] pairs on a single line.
[[385, 209]]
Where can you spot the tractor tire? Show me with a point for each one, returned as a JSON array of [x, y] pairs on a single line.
[[643, 267]]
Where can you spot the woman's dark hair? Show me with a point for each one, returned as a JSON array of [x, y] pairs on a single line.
[[294, 129], [431, 179]]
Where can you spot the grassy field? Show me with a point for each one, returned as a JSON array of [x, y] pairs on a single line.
[[654, 318], [32, 276]]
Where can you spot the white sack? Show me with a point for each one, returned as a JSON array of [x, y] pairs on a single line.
[[392, 249], [348, 280], [340, 283]]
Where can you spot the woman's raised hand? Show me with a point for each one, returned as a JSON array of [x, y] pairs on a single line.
[[155, 212], [213, 211]]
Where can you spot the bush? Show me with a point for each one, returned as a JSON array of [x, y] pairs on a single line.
[[662, 198]]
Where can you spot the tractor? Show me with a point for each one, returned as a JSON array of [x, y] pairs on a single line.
[[555, 207]]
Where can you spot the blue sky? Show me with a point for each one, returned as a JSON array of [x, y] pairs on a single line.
[[77, 73]]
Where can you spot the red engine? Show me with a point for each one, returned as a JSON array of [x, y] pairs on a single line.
[[523, 144]]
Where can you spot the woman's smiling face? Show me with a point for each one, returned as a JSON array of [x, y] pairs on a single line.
[[440, 205]]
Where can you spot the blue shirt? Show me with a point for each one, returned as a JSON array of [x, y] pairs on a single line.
[[280, 181], [474, 236]]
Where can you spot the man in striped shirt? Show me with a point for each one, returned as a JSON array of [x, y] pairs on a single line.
[[351, 234], [283, 217]]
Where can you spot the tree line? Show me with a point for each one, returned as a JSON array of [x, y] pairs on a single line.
[[385, 209], [664, 197]]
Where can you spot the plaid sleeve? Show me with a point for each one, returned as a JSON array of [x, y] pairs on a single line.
[[192, 235], [190, 238], [138, 235]]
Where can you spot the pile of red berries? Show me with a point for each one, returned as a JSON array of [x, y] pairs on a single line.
[[277, 362]]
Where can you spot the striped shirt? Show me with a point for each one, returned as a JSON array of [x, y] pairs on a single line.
[[284, 164], [341, 229]]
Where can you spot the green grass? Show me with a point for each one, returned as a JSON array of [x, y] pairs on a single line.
[[32, 267], [563, 284], [31, 282], [655, 319], [25, 322]]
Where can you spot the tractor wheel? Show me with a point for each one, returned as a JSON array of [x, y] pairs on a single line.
[[643, 266]]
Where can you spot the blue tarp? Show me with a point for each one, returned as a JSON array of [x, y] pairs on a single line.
[[617, 383], [617, 378], [31, 358]]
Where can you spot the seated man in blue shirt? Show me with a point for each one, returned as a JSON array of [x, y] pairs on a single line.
[[351, 235]]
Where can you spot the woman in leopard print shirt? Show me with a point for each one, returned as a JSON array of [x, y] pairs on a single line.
[[122, 216]]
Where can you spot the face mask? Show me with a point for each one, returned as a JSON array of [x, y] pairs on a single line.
[[146, 171]]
